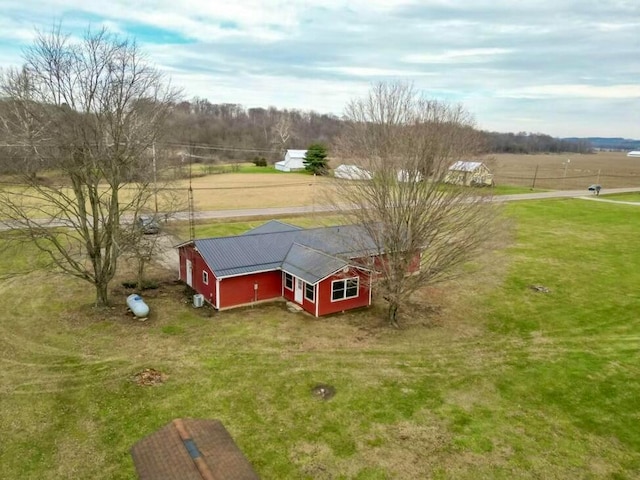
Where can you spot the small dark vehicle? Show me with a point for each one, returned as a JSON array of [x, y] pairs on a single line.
[[595, 189], [148, 225]]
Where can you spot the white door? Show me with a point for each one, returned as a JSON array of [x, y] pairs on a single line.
[[189, 273], [298, 292]]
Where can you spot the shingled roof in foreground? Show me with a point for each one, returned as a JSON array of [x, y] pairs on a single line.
[[191, 449]]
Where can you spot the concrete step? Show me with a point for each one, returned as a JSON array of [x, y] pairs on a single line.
[[293, 307]]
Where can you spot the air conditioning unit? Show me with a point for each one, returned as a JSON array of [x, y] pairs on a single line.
[[198, 300]]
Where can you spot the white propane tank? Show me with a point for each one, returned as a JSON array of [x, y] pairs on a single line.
[[137, 305]]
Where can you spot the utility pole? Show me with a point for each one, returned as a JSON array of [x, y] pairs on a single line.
[[313, 197], [566, 165], [535, 176]]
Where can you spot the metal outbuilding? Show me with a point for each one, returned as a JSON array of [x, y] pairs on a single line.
[[469, 174]]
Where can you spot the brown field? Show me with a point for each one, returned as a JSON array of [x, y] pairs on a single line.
[[254, 190], [610, 169], [228, 191]]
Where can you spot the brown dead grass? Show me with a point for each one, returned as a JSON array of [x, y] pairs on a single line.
[[616, 170], [254, 190]]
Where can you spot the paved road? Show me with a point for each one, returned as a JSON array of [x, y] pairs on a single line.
[[277, 211]]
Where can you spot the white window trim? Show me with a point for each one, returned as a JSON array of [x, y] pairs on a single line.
[[313, 299], [344, 280], [205, 277], [285, 281]]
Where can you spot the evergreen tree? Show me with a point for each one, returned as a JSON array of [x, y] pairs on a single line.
[[315, 160]]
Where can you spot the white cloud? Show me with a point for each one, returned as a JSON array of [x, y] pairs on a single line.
[[630, 91], [470, 55], [375, 72], [512, 63]]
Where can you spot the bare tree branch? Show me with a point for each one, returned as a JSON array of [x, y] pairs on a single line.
[[423, 229], [88, 112]]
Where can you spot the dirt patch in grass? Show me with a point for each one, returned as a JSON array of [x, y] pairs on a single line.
[[323, 392], [149, 377]]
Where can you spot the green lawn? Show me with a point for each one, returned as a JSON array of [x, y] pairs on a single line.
[[494, 381], [225, 227], [626, 197], [514, 189]]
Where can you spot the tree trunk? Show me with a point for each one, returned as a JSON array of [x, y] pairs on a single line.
[[102, 294], [140, 281], [393, 314]]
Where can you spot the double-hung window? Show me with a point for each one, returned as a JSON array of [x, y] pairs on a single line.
[[343, 289], [309, 292], [288, 281], [205, 277]]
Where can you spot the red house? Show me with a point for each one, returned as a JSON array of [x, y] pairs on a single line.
[[313, 268]]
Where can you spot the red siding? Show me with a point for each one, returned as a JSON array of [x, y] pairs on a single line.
[[288, 294], [241, 291], [323, 294], [199, 265], [236, 291], [379, 263]]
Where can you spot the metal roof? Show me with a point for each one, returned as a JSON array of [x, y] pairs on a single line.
[[310, 265], [256, 252], [297, 153], [273, 226], [461, 166], [248, 253]]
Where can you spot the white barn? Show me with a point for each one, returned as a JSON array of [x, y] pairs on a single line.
[[293, 161], [469, 173], [352, 172]]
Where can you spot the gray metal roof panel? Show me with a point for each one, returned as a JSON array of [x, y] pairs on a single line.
[[249, 252], [309, 264], [272, 226], [342, 240], [254, 252]]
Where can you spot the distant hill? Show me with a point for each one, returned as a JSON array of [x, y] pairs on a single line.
[[603, 143]]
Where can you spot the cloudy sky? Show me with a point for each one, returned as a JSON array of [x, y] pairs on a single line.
[[562, 67]]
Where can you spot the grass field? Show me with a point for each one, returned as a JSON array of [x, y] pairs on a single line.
[[488, 379], [626, 197]]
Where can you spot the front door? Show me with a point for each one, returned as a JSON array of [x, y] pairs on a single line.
[[298, 292], [189, 273]]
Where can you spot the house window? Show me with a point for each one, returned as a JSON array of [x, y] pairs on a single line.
[[309, 292], [288, 281], [205, 277], [343, 289]]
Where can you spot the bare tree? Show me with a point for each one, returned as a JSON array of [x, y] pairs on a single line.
[[422, 228], [93, 109], [142, 239], [281, 133]]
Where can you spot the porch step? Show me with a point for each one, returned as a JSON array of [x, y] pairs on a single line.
[[293, 307]]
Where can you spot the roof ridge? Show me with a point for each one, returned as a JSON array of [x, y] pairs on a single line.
[[315, 250]]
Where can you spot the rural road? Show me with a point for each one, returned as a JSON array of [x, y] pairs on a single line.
[[275, 211]]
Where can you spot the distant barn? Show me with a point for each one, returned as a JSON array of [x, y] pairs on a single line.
[[635, 153], [469, 174], [352, 172], [293, 161]]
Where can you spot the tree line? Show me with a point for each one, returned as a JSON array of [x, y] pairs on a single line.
[[270, 131], [236, 133]]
